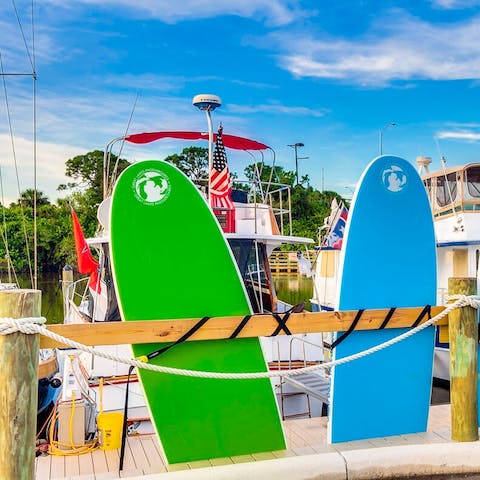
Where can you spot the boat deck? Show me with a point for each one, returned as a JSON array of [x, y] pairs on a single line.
[[304, 437]]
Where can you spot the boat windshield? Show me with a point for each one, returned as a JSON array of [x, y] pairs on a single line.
[[472, 180], [251, 258], [446, 191]]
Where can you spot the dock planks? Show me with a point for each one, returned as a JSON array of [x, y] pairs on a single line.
[[304, 437]]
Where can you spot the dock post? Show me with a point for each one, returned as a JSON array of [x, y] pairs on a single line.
[[463, 338], [19, 387], [67, 280]]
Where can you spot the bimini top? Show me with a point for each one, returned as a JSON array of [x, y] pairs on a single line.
[[230, 141]]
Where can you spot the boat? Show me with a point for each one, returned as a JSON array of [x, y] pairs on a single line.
[[330, 236], [257, 221], [454, 195], [49, 383]]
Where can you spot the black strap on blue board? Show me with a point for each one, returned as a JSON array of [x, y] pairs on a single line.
[[182, 339], [387, 318], [344, 335], [125, 419], [240, 326], [427, 309], [282, 324]]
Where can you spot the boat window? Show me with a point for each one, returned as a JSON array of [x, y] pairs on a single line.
[[258, 286], [446, 191], [472, 179], [428, 187], [245, 255]]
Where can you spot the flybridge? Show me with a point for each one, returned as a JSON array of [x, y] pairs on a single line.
[[265, 205]]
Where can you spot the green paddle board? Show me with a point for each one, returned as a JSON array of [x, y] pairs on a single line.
[[170, 261]]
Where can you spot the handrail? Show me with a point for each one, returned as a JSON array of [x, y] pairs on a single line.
[[304, 341], [71, 292]]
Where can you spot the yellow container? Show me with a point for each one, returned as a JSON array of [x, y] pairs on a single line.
[[110, 430]]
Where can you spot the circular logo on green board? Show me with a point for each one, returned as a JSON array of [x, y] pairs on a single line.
[[394, 179], [151, 187]]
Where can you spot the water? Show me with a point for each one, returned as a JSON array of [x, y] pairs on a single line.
[[52, 303], [294, 288], [291, 288]]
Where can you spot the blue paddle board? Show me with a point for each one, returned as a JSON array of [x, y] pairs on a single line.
[[388, 260]]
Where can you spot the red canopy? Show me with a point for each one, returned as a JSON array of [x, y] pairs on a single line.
[[230, 141]]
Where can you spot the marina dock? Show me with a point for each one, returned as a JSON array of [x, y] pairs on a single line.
[[449, 445], [307, 449]]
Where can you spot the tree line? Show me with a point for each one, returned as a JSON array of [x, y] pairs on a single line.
[[55, 247]]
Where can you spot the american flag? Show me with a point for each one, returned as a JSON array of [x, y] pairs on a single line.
[[221, 186]]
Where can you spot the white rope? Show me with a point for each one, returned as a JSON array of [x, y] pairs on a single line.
[[24, 325], [33, 325]]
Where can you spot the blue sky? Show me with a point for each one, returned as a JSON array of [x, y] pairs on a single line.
[[328, 74]]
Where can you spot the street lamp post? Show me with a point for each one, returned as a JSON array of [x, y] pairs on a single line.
[[295, 146], [208, 103], [390, 124]]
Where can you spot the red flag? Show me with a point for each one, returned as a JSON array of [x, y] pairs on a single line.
[[85, 261], [221, 186]]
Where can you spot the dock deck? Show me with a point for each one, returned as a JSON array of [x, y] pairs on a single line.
[[304, 437]]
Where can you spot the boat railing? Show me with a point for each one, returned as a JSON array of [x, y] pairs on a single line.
[[304, 342], [255, 196], [277, 198], [75, 295]]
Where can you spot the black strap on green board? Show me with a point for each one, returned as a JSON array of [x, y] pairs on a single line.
[[344, 335], [187, 335], [240, 326], [282, 324], [125, 419], [387, 318], [426, 310], [282, 321]]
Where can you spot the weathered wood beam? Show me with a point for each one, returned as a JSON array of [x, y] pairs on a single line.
[[113, 333]]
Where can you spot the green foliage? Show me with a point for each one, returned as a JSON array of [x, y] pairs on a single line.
[[87, 170], [193, 162], [269, 174], [309, 209]]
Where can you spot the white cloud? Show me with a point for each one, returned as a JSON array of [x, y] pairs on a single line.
[[275, 12], [457, 135], [145, 82], [17, 53], [51, 159], [397, 47], [276, 109], [455, 4]]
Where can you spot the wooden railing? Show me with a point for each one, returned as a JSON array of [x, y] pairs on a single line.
[[287, 262]]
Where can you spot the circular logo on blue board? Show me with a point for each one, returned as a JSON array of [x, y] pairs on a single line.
[[394, 179], [151, 187]]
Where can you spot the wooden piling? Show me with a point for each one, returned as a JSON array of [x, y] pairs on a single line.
[[463, 334], [19, 387], [67, 280]]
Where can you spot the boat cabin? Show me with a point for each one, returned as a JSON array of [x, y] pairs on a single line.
[[454, 195], [454, 190]]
